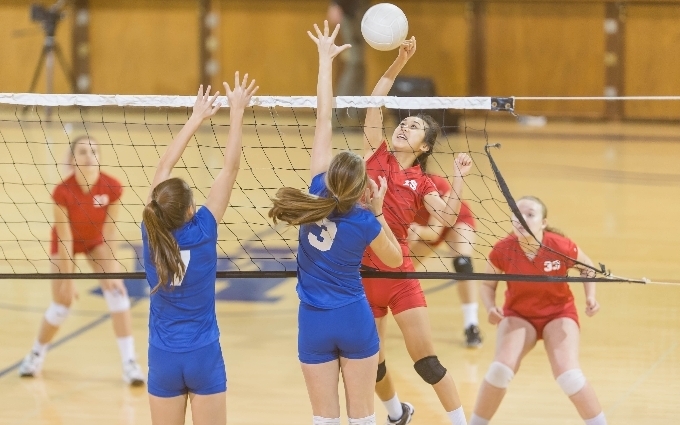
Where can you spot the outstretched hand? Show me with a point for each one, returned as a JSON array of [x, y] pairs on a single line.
[[326, 42], [239, 98], [205, 106], [462, 165], [407, 49]]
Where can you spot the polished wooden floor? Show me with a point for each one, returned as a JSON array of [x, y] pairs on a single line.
[[613, 188]]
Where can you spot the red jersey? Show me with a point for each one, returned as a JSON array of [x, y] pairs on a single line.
[[535, 299], [405, 191], [443, 187], [87, 211]]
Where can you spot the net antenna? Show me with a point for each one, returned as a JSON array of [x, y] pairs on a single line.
[[49, 17]]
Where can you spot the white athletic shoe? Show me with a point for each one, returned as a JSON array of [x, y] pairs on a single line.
[[407, 414], [31, 365], [132, 374]]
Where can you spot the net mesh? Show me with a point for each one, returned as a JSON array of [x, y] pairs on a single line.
[[34, 159]]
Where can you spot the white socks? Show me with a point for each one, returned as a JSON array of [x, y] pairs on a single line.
[[126, 346], [597, 420], [394, 409], [39, 349], [368, 420], [457, 417], [476, 420], [319, 420], [470, 314]]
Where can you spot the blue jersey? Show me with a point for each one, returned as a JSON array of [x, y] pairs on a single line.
[[182, 315], [330, 252]]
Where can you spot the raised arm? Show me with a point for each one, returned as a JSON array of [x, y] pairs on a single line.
[[592, 306], [220, 192], [322, 150], [203, 108], [373, 126], [446, 210], [487, 292]]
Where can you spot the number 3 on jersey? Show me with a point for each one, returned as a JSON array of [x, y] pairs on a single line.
[[324, 241], [186, 257]]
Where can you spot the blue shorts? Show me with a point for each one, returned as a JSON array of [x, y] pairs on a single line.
[[326, 335], [200, 371]]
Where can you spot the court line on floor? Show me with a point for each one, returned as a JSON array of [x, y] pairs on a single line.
[[642, 379], [70, 336]]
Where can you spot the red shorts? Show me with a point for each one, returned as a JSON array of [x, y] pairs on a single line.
[[464, 217], [539, 323], [79, 246], [398, 295]]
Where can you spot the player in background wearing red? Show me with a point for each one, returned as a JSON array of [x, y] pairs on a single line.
[[534, 311], [403, 165], [427, 234], [86, 205]]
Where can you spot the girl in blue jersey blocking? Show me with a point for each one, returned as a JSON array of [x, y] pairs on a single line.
[[180, 258], [336, 327]]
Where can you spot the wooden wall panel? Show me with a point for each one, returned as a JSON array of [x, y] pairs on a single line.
[[144, 46], [546, 50], [652, 60], [21, 42], [271, 44]]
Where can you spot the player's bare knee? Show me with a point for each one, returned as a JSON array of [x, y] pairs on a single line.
[[571, 381], [463, 264], [56, 314], [499, 375], [430, 369], [117, 301], [382, 371]]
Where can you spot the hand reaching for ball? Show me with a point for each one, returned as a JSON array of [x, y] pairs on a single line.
[[326, 42], [407, 49]]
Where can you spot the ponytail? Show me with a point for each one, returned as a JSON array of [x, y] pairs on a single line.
[[297, 207], [166, 212]]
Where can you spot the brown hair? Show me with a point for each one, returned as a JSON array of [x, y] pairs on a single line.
[[545, 214], [432, 131], [167, 211], [346, 181]]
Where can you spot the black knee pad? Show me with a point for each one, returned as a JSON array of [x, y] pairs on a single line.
[[430, 369], [382, 371], [462, 264]]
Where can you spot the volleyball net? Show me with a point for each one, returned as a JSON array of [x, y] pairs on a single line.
[[132, 132]]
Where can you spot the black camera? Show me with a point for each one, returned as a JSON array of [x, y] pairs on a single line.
[[48, 17]]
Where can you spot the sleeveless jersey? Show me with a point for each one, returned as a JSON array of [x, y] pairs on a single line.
[[330, 252], [182, 316], [535, 299], [406, 189]]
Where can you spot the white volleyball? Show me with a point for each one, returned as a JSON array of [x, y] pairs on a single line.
[[384, 26]]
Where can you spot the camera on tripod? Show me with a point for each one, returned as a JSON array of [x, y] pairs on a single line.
[[48, 17]]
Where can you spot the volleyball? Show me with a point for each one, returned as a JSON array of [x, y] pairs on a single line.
[[384, 26]]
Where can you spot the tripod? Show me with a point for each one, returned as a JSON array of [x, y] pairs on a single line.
[[49, 19]]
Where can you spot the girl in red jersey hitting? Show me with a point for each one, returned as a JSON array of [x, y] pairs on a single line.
[[534, 311], [427, 233], [86, 206], [409, 189]]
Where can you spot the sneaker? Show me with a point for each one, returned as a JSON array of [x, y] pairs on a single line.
[[473, 337], [407, 414], [132, 374], [31, 365]]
